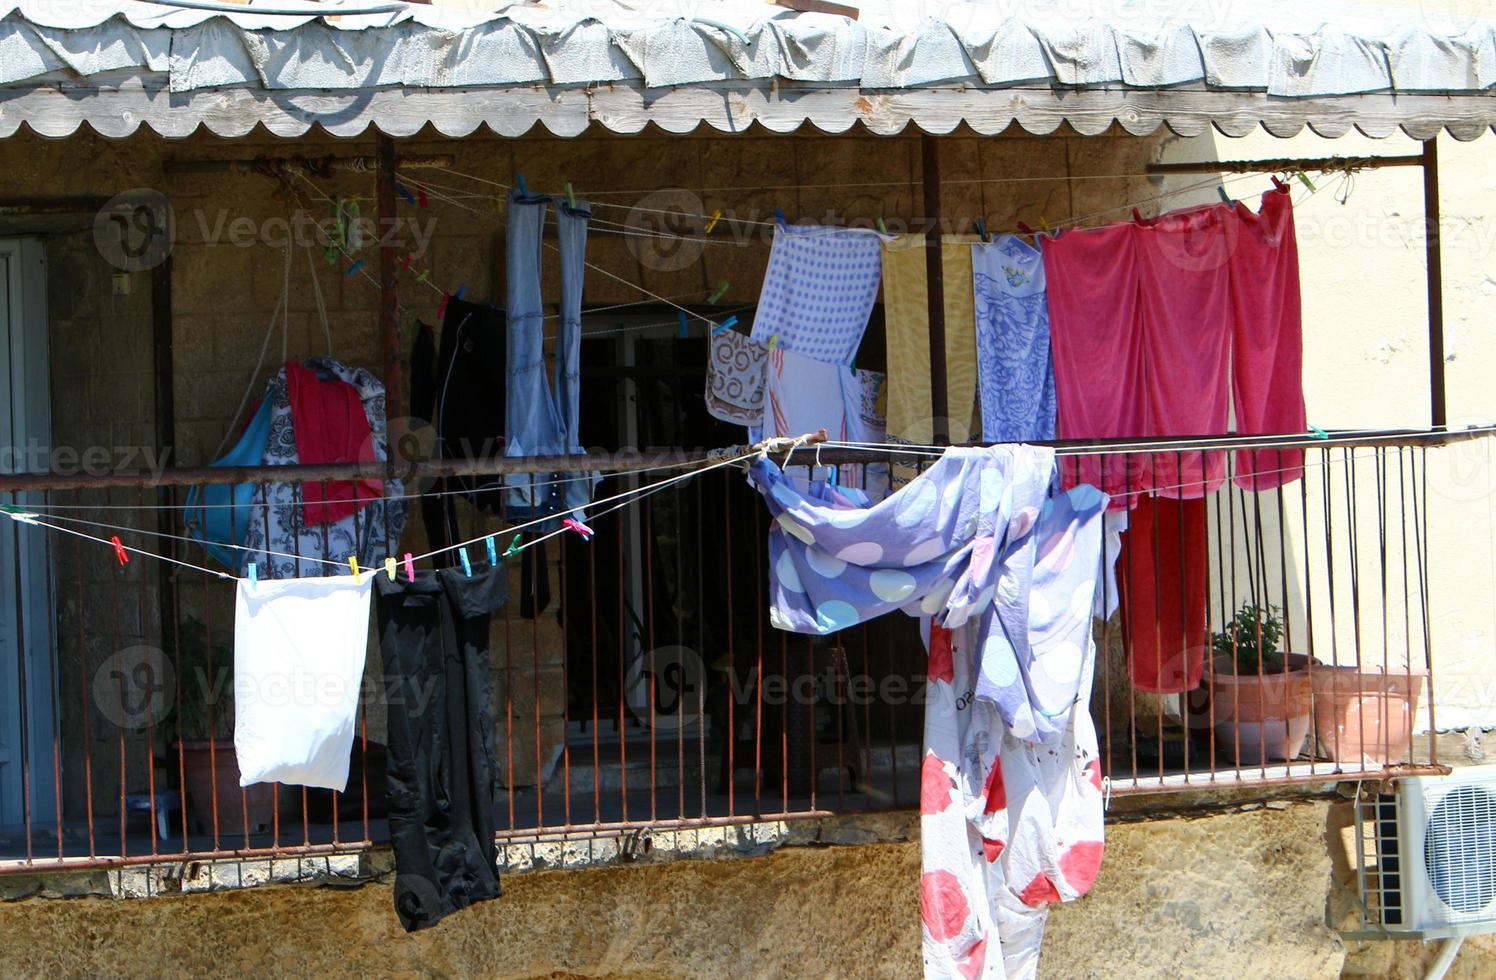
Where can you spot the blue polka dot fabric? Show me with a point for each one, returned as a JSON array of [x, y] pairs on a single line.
[[819, 291]]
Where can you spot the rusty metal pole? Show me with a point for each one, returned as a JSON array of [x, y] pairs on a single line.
[[389, 285], [1438, 411], [935, 286]]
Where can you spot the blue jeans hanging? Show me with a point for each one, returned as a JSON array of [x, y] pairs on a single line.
[[541, 414]]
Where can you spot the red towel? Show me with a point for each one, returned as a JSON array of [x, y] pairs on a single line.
[[1163, 589], [328, 420]]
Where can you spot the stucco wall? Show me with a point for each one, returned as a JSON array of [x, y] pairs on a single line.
[[1230, 895]]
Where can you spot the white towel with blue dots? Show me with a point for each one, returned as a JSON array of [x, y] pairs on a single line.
[[819, 291]]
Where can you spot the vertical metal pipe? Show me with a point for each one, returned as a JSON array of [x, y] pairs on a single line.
[[935, 288], [389, 289], [1438, 414]]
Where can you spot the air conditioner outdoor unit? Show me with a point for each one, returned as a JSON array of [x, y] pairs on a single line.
[[1426, 856]]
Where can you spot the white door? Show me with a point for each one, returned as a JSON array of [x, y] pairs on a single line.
[[27, 680]]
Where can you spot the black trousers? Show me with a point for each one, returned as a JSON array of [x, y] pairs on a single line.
[[433, 634]]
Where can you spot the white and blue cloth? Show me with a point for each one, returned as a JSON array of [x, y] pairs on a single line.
[[819, 291], [1015, 373]]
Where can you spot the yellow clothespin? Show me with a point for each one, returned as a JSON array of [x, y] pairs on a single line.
[[353, 564], [1045, 225], [712, 222], [773, 342], [389, 568]]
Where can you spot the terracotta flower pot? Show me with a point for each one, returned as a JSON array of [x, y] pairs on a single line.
[[1260, 718], [1365, 715], [203, 769]]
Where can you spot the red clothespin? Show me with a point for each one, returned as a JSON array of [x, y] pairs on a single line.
[[441, 308], [119, 550], [405, 266], [579, 527], [410, 567], [1023, 227], [1137, 216], [421, 198], [1278, 184]]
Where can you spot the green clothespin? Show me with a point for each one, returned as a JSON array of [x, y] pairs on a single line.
[[513, 548], [571, 197], [882, 228], [1318, 433], [1304, 179], [718, 293]]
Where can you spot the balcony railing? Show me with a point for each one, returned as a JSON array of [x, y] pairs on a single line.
[[650, 690]]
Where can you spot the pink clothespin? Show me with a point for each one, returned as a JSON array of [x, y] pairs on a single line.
[[119, 550], [441, 309], [579, 527], [410, 567]]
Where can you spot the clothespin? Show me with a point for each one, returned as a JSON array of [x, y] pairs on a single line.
[[353, 269], [1025, 229], [461, 291], [680, 318], [579, 527], [441, 308], [524, 189], [1318, 433], [1278, 184], [1226, 198], [727, 324], [423, 276], [773, 342], [513, 548], [17, 514], [421, 200], [712, 221], [409, 197], [1045, 225], [119, 550], [254, 575], [982, 229], [882, 228], [780, 218], [389, 567], [467, 566], [718, 293], [1304, 179], [353, 566], [1137, 216], [571, 197], [410, 567], [493, 551], [405, 266]]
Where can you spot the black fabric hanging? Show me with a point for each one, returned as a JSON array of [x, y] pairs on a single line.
[[459, 390], [441, 794]]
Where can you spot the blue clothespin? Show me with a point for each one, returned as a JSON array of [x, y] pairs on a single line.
[[681, 319], [461, 291], [353, 269], [779, 217], [727, 324], [254, 575], [524, 189], [409, 197], [982, 229], [1225, 198], [467, 567], [1318, 433], [493, 551]]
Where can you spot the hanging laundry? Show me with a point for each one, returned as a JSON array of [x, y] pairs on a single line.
[[906, 315], [1015, 374], [818, 291], [1267, 340], [218, 514], [434, 636], [276, 521], [329, 424], [541, 414], [1165, 584], [805, 395], [298, 669], [735, 378], [1003, 576]]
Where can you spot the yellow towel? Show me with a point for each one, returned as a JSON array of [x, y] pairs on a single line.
[[907, 317]]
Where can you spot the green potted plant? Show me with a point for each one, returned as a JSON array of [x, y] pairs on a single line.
[[200, 731], [1259, 694]]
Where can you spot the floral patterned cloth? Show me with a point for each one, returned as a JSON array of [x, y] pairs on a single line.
[[1003, 572], [1015, 372], [735, 378], [276, 520]]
